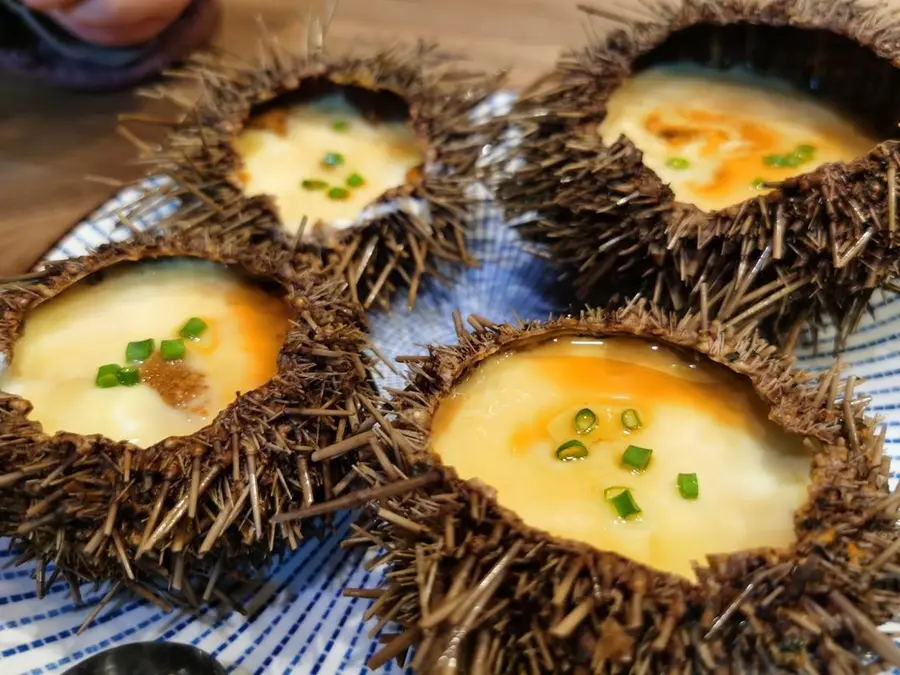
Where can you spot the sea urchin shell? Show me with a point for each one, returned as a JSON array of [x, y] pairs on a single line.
[[194, 514], [395, 247], [479, 591], [816, 246]]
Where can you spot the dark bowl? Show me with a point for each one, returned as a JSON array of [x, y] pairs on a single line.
[[149, 658]]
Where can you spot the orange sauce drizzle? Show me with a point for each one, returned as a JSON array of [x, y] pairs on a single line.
[[274, 120], [263, 321], [620, 385], [739, 165]]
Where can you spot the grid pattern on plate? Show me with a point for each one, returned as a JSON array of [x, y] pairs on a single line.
[[301, 623]]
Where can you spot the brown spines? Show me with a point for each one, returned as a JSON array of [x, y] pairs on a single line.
[[188, 518], [478, 591], [389, 252], [814, 248]]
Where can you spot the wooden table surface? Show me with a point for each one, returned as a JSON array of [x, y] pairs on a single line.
[[50, 139]]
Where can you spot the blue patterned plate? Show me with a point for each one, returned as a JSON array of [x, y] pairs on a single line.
[[300, 622]]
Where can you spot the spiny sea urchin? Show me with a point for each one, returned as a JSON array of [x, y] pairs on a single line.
[[417, 219], [479, 588], [193, 513], [816, 245]]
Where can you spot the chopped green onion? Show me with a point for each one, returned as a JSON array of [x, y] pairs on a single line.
[[107, 376], [309, 184], [138, 352], [128, 377], [354, 180], [631, 419], [774, 160], [338, 193], [332, 159], [792, 160], [804, 152], [571, 450], [758, 183], [677, 163], [585, 421], [172, 350], [193, 329], [340, 125], [688, 485], [622, 501], [636, 458]]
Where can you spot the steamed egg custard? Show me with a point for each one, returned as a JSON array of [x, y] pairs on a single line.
[[717, 137], [627, 446], [146, 351], [325, 159]]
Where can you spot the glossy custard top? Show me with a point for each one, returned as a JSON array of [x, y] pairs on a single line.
[[715, 135], [65, 340], [325, 159], [505, 423]]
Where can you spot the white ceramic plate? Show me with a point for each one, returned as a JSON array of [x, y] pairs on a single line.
[[301, 623]]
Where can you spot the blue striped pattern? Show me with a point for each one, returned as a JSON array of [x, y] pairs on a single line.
[[301, 623]]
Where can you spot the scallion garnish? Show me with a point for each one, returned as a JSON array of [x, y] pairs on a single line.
[[171, 350], [805, 152], [310, 184], [138, 352], [585, 421], [107, 376], [332, 159], [354, 180], [636, 458], [128, 377], [193, 329], [338, 193], [571, 450], [340, 125], [677, 163], [631, 419], [622, 501], [758, 183], [800, 155], [688, 485]]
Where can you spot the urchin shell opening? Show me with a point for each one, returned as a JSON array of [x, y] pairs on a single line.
[[502, 438], [87, 327], [396, 248], [468, 586], [193, 519], [315, 125], [814, 248], [825, 79]]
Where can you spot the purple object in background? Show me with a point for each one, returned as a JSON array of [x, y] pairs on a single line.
[[33, 45]]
